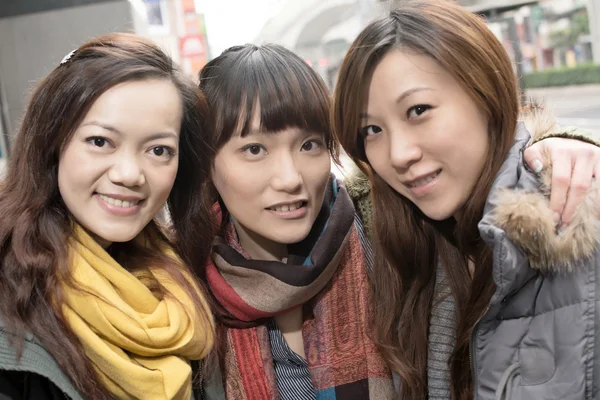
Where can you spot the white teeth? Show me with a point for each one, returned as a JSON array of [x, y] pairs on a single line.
[[423, 181], [287, 207], [117, 202]]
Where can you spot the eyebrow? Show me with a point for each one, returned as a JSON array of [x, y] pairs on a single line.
[[402, 96], [154, 136]]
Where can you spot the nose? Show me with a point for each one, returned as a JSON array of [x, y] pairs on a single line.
[[127, 171], [287, 176], [404, 150]]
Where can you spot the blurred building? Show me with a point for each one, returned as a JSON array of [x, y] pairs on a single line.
[[177, 27], [320, 31], [36, 34], [538, 34], [548, 33]]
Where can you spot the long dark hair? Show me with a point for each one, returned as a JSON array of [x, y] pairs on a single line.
[[33, 240], [408, 244], [289, 92]]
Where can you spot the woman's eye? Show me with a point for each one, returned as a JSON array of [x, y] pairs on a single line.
[[253, 149], [97, 141], [312, 145], [161, 151], [370, 130], [417, 111]]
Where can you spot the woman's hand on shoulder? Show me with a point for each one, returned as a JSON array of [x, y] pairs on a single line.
[[575, 164]]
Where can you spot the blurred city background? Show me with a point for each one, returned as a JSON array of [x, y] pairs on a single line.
[[555, 44]]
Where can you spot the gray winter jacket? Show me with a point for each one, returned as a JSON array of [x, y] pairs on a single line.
[[538, 339]]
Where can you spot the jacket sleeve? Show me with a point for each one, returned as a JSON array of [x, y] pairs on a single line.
[[542, 124], [570, 132]]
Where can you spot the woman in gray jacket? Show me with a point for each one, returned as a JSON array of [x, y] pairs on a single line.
[[481, 291]]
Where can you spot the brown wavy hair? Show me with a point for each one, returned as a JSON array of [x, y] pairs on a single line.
[[34, 239], [408, 244]]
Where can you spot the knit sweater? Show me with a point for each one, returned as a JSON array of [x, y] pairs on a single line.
[[442, 337]]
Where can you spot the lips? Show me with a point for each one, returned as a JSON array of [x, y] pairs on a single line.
[[120, 201], [287, 206], [423, 180]]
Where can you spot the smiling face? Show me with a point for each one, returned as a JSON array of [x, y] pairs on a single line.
[[423, 134], [272, 184], [117, 170]]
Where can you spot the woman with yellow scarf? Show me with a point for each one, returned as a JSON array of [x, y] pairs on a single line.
[[96, 299]]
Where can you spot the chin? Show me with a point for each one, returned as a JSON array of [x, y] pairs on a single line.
[[291, 237], [437, 214], [116, 236]]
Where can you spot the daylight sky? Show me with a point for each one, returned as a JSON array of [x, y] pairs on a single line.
[[232, 22]]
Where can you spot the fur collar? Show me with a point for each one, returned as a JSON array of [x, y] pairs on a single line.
[[526, 217]]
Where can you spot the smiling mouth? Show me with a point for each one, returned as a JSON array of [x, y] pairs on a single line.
[[424, 181], [119, 203], [288, 207]]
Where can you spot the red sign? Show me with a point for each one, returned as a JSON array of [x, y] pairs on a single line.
[[192, 46]]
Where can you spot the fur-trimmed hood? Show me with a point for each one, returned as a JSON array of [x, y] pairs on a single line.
[[523, 209]]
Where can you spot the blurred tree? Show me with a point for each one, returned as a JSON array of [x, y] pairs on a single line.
[[579, 25]]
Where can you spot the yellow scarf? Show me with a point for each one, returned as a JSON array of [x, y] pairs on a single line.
[[139, 345]]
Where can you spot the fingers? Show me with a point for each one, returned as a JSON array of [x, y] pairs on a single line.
[[581, 180], [562, 171], [533, 157]]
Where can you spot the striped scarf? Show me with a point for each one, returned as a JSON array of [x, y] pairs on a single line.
[[327, 274]]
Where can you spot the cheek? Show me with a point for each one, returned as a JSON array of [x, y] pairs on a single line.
[[74, 170], [238, 186], [378, 158], [315, 175], [166, 179]]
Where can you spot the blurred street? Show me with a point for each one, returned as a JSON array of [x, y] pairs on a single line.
[[573, 105]]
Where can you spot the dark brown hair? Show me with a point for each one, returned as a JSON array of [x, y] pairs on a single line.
[[288, 91], [408, 244], [34, 240]]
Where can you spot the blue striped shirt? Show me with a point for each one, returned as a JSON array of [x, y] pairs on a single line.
[[291, 370]]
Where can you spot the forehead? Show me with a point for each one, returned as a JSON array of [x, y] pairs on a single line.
[[399, 71], [147, 105]]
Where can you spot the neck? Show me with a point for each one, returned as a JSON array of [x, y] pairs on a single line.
[[258, 247]]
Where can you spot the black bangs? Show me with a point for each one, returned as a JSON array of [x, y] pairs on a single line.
[[287, 91]]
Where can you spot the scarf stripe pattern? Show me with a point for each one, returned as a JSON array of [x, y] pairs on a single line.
[[327, 274]]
